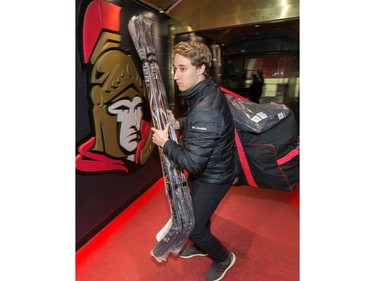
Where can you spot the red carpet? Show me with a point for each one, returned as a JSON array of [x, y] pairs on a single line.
[[260, 226]]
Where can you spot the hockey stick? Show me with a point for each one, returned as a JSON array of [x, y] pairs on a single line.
[[181, 209]]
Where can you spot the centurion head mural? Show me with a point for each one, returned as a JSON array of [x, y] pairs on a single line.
[[117, 94]]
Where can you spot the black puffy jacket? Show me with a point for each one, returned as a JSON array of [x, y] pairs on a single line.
[[207, 150]]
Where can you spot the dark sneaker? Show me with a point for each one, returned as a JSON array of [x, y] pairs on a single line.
[[218, 270], [191, 251]]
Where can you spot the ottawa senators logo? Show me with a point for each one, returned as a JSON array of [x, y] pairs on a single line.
[[117, 94]]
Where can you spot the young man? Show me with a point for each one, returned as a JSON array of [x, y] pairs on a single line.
[[207, 150]]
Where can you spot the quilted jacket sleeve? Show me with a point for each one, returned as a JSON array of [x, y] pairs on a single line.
[[202, 129]]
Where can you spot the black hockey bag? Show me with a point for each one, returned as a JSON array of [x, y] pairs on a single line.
[[268, 154]]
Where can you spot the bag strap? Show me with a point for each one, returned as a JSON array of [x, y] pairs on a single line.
[[294, 152], [233, 94], [243, 161], [241, 153]]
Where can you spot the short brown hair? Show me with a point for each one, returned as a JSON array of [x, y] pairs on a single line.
[[197, 52]]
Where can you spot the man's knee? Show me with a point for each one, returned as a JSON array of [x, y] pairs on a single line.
[[197, 233]]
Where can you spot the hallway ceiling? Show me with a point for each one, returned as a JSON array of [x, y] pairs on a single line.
[[226, 22]]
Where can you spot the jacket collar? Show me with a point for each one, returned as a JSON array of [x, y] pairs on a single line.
[[195, 92]]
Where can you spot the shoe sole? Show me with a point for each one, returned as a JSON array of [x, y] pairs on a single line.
[[229, 267], [195, 255]]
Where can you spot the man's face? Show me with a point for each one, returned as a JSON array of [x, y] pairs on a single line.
[[186, 75]]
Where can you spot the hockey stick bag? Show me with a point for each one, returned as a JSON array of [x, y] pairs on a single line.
[[182, 215]]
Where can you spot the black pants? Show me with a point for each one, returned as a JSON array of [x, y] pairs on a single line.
[[206, 197]]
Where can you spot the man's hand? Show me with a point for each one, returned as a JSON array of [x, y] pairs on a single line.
[[160, 137], [176, 124]]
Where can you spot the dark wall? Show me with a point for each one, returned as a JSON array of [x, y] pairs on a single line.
[[109, 175], [263, 44]]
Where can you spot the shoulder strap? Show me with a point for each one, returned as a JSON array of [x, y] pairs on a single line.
[[243, 160]]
